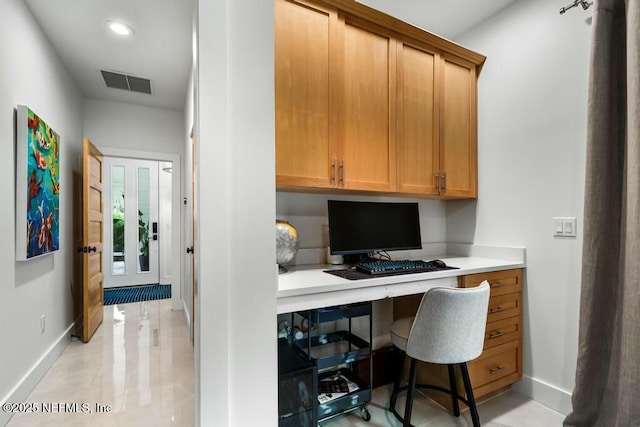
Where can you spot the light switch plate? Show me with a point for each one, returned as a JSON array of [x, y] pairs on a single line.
[[564, 226]]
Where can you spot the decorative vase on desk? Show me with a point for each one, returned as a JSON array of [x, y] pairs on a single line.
[[287, 243]]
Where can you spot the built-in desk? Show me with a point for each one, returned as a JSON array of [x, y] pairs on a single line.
[[307, 287], [500, 365]]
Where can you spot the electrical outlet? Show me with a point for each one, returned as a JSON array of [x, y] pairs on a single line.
[[42, 323]]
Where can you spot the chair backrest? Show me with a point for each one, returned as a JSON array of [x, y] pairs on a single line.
[[450, 324]]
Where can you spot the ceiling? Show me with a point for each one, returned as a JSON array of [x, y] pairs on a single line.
[[161, 49], [448, 19]]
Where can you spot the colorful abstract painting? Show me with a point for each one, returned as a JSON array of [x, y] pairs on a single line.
[[38, 186]]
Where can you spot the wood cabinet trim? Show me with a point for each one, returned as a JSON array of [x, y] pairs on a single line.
[[406, 29]]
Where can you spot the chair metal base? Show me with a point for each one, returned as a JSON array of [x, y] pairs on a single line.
[[453, 392]]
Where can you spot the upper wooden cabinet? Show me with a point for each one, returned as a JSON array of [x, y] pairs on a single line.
[[305, 86], [418, 113], [367, 114], [369, 103], [458, 128], [437, 145]]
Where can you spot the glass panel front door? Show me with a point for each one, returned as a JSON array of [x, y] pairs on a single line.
[[131, 241], [117, 230]]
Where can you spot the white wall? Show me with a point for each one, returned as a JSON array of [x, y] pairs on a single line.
[[235, 349], [308, 212], [164, 223], [133, 127], [133, 131], [32, 75], [532, 137]]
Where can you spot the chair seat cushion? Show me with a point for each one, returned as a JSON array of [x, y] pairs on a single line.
[[400, 332]]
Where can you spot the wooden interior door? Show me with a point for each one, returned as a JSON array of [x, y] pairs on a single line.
[[368, 107], [418, 113], [458, 128], [92, 291]]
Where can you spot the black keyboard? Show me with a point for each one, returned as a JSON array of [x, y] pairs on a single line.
[[396, 266]]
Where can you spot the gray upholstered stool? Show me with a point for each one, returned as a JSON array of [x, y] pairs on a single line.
[[447, 329]]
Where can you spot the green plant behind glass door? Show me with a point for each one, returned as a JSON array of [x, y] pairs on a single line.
[[118, 231], [143, 235]]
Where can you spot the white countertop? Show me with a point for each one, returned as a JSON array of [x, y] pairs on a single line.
[[307, 287]]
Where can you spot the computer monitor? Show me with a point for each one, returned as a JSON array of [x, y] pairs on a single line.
[[366, 227]]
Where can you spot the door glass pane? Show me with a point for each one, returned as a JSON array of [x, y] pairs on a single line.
[[117, 209], [143, 219]]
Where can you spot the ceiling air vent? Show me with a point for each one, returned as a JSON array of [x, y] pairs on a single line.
[[126, 82]]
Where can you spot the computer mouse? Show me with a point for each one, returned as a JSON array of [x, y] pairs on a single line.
[[438, 263]]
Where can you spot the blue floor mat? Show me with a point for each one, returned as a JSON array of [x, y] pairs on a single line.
[[129, 294]]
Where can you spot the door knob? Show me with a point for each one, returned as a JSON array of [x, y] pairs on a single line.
[[190, 250]]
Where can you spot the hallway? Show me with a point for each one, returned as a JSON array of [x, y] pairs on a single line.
[[139, 363]]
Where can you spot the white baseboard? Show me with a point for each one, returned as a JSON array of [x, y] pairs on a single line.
[[187, 317], [30, 380], [551, 396], [176, 299]]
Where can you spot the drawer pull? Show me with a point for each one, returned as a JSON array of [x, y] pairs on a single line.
[[496, 309], [496, 334], [498, 285], [496, 370]]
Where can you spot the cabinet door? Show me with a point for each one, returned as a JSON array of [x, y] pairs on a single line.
[[367, 108], [458, 127], [418, 132], [304, 94]]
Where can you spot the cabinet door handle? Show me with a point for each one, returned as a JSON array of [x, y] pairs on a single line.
[[496, 309], [438, 181], [444, 181], [496, 370], [342, 171], [334, 171], [495, 334]]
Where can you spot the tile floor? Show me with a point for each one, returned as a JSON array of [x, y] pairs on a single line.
[[140, 363], [507, 410]]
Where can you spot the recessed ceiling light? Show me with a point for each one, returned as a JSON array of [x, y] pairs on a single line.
[[120, 28]]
